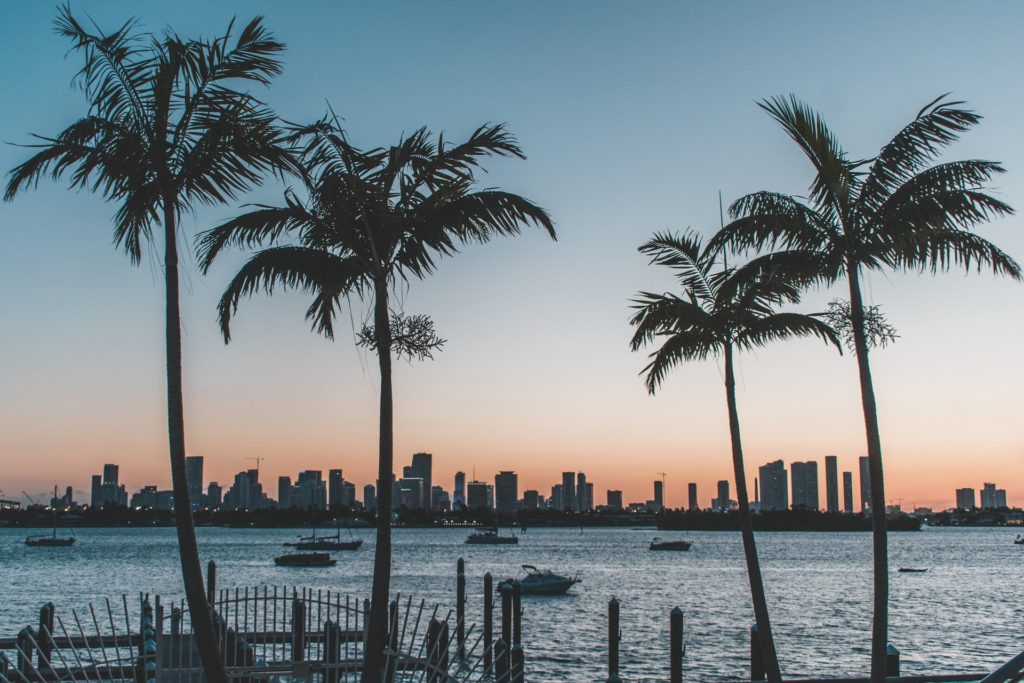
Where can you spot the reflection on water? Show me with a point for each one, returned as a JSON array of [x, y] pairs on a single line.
[[963, 614]]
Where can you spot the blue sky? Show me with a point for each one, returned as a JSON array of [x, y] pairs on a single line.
[[634, 117]]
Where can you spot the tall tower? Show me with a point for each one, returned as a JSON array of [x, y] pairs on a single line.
[[723, 495], [848, 492], [423, 468], [805, 485], [506, 491], [659, 494], [693, 503], [831, 483], [774, 487], [865, 484], [335, 479], [569, 490], [459, 499]]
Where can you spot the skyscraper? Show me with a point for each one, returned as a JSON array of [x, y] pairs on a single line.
[[722, 502], [284, 492], [531, 499], [992, 498], [774, 487], [334, 482], [110, 474], [865, 484], [96, 499], [557, 500], [194, 478], [506, 491], [569, 490], [805, 485], [369, 497], [478, 495], [412, 492], [831, 483], [423, 467], [615, 500], [459, 498], [214, 495], [693, 503], [659, 494], [965, 499], [848, 492]]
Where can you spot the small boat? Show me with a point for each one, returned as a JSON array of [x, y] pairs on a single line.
[[911, 570], [490, 536], [334, 542], [544, 582], [53, 540], [305, 560], [658, 544], [1019, 540]]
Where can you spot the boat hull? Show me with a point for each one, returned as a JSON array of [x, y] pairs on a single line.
[[674, 545], [49, 542], [325, 545], [547, 588], [498, 540], [308, 560]]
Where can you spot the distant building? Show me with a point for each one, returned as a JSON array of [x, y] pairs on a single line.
[[284, 492], [108, 492], [348, 494], [531, 499], [439, 498], [478, 495], [659, 495], [412, 491], [95, 500], [110, 474], [865, 484], [992, 498], [423, 468], [774, 487], [506, 491], [848, 492], [805, 485], [194, 478], [589, 495], [246, 493], [569, 490], [965, 499], [459, 498], [214, 495], [369, 497], [557, 499], [693, 503], [335, 478], [310, 491], [831, 483], [721, 503], [615, 500], [584, 493]]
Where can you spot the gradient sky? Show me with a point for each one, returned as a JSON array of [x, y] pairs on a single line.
[[633, 117]]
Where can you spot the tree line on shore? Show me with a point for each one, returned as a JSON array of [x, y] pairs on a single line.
[[170, 126]]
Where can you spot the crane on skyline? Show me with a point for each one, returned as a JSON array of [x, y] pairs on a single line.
[[663, 475], [258, 460]]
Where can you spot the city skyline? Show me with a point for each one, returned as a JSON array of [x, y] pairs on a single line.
[[566, 388]]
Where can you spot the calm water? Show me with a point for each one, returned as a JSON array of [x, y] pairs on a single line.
[[965, 613]]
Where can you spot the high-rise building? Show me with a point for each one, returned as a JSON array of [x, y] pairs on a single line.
[[194, 478], [309, 491], [284, 492], [615, 500], [848, 492], [692, 503], [459, 499], [108, 492], [774, 487], [439, 498], [721, 503], [334, 482], [348, 494], [865, 484], [831, 483], [805, 485], [423, 468], [992, 498], [478, 495], [531, 499], [659, 494], [110, 474], [214, 495], [582, 503], [965, 499], [569, 490], [412, 492], [96, 499], [588, 500], [369, 497], [506, 491], [557, 499], [246, 493]]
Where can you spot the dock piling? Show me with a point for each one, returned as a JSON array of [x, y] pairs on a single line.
[[488, 623], [25, 649], [460, 609], [676, 647], [614, 635], [211, 582], [332, 649], [501, 673], [756, 657], [892, 660], [433, 649], [298, 630], [44, 636], [517, 658]]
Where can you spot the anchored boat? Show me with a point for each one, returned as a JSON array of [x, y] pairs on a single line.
[[545, 582], [490, 536], [658, 544], [305, 560], [53, 540], [334, 542]]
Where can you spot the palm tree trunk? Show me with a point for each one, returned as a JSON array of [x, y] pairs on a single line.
[[880, 618], [378, 632], [764, 627], [188, 550]]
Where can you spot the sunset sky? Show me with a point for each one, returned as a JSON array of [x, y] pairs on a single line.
[[633, 118]]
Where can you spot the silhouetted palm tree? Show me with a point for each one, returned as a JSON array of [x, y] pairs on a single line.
[[165, 131], [894, 211], [719, 312], [371, 218]]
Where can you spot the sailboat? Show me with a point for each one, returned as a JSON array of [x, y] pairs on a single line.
[[53, 540], [334, 542]]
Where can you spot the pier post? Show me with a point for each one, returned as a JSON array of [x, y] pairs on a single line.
[[24, 645], [517, 657], [433, 648], [175, 621], [506, 613], [148, 644], [44, 636], [614, 635], [445, 642], [391, 657], [501, 662], [298, 630], [676, 647], [756, 657], [332, 648], [211, 582], [488, 623], [460, 609], [892, 660]]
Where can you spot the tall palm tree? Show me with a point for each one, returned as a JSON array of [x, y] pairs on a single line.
[[721, 310], [896, 211], [370, 219], [165, 131]]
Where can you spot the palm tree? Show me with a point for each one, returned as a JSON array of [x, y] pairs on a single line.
[[721, 311], [896, 211], [164, 133], [371, 219]]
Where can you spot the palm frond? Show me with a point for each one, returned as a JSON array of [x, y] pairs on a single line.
[[676, 349], [770, 219], [686, 256], [942, 248], [663, 314], [783, 326], [258, 228]]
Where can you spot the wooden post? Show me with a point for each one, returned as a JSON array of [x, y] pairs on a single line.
[[445, 642], [756, 657], [332, 650], [433, 636], [24, 645], [506, 613], [175, 621], [211, 582], [892, 660], [298, 630], [44, 636], [614, 634], [676, 648], [391, 658], [501, 662], [488, 623], [460, 609], [516, 655]]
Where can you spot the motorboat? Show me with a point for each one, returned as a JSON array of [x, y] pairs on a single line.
[[51, 540], [305, 560], [545, 582], [334, 542], [658, 544], [1019, 540], [911, 570], [490, 536]]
